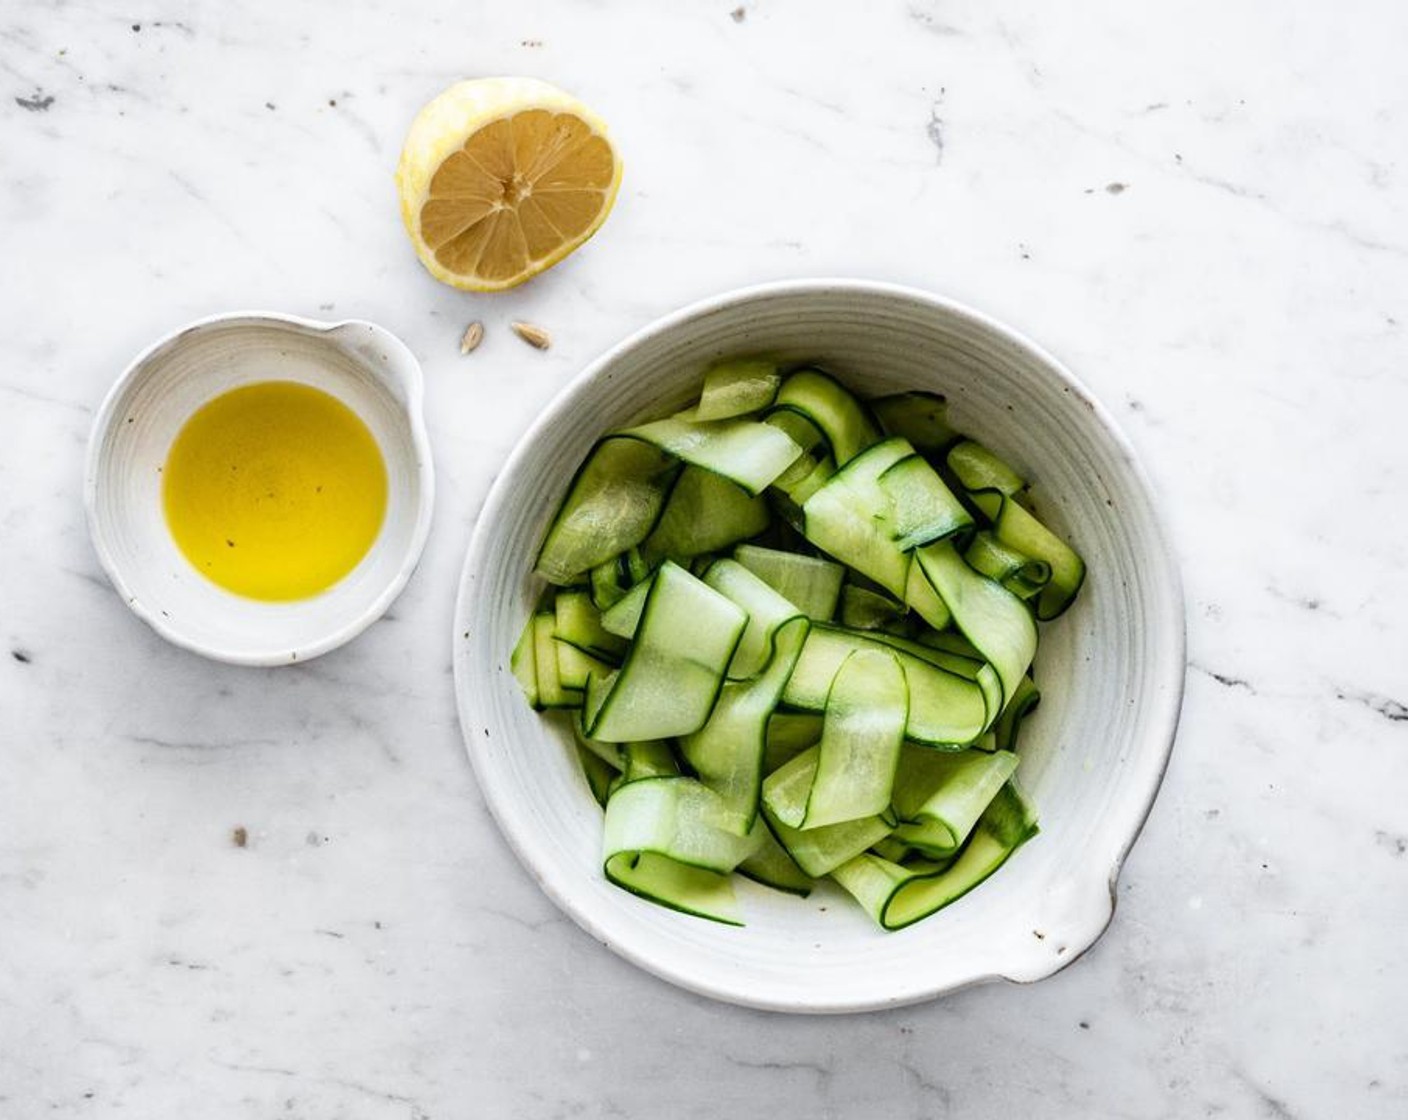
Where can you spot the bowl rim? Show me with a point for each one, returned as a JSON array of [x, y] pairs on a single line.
[[425, 472], [1164, 715]]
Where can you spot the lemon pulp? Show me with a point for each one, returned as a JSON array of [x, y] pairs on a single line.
[[275, 490], [500, 178]]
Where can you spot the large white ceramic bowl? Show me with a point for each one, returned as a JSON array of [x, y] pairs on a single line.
[[1111, 670], [361, 364]]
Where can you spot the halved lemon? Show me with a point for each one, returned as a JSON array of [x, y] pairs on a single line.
[[500, 178]]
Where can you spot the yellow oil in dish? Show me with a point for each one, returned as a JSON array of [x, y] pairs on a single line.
[[274, 490]]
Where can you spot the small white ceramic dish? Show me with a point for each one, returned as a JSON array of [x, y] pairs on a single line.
[[362, 365], [1111, 670]]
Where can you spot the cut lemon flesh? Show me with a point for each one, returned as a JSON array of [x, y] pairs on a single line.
[[500, 178]]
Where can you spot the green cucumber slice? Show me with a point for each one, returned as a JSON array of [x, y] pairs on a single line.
[[670, 840], [677, 817], [940, 796], [773, 867], [599, 775], [671, 677], [1016, 571], [788, 735], [988, 615], [608, 583], [676, 886], [969, 667], [951, 641], [848, 517], [813, 467], [863, 609], [977, 468], [650, 759], [552, 693], [812, 481], [637, 567], [621, 619], [925, 601], [736, 388], [766, 610], [899, 895], [945, 710], [896, 851], [786, 511], [921, 507], [748, 452], [1016, 528], [579, 625], [611, 506], [804, 434], [575, 668], [704, 513], [727, 752], [1009, 723], [841, 418], [921, 418], [861, 734], [809, 582], [522, 663], [610, 753], [818, 851]]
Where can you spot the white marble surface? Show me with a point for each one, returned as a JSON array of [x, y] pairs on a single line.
[[1200, 207]]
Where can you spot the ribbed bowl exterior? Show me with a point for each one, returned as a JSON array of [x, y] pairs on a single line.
[[359, 363], [1110, 670]]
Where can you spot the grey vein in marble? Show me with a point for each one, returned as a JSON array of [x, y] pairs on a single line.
[[235, 893]]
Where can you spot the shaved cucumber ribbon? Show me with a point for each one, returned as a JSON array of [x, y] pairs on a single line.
[[994, 620], [671, 677], [578, 623], [945, 709], [747, 452], [921, 418], [736, 388], [897, 895], [727, 752], [876, 510], [671, 840], [611, 506], [993, 486], [817, 851], [773, 867], [939, 797], [841, 418], [861, 733], [810, 582], [705, 512]]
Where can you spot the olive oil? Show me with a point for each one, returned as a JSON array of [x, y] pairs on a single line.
[[275, 490]]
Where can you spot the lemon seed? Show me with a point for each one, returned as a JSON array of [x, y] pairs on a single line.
[[473, 336], [533, 335]]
